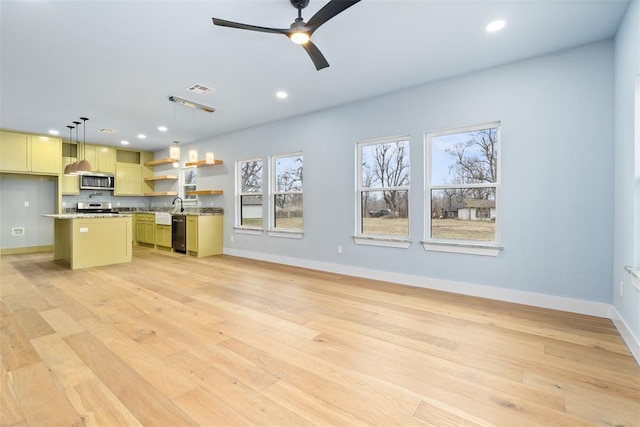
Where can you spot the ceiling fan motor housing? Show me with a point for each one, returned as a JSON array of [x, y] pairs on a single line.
[[299, 4]]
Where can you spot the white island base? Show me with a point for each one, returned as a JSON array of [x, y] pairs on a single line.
[[92, 240]]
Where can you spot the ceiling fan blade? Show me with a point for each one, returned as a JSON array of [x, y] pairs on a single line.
[[223, 23], [316, 56], [327, 12]]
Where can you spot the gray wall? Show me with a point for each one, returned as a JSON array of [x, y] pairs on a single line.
[[557, 174], [41, 194], [627, 180]]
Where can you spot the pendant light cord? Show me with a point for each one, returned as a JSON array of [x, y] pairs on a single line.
[[84, 138]]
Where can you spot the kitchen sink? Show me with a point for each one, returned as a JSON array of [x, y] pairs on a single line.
[[163, 218]]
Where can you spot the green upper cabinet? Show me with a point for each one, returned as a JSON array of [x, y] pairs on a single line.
[[128, 180], [102, 159], [70, 184], [25, 153]]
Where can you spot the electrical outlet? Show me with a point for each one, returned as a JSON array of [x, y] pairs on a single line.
[[339, 249], [621, 289], [231, 238], [26, 203]]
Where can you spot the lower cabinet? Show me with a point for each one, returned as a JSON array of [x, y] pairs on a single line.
[[163, 235], [146, 228], [204, 235]]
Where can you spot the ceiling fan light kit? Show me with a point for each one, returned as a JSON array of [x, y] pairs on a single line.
[[300, 32]]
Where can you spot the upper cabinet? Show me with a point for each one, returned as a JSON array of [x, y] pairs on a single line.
[[26, 153], [102, 159], [128, 180], [131, 174], [69, 184]]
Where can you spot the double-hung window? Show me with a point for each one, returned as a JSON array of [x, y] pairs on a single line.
[[383, 192], [249, 184], [462, 186], [286, 190], [189, 181]]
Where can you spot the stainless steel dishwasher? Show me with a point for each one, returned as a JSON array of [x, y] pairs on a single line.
[[179, 233]]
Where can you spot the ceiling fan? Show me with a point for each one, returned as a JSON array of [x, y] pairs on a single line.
[[300, 32]]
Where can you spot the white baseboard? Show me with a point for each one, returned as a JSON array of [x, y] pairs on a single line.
[[571, 305], [627, 335]]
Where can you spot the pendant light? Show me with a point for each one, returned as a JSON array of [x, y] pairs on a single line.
[[71, 168], [174, 151], [84, 166]]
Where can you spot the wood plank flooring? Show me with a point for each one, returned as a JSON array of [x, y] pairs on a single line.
[[171, 340]]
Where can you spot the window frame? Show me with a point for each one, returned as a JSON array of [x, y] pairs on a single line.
[[386, 240], [473, 247], [273, 192], [188, 200], [239, 227]]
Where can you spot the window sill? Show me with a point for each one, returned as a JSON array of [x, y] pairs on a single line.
[[287, 234], [389, 242], [463, 248], [247, 230], [635, 276]]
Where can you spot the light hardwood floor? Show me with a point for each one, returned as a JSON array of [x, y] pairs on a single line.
[[173, 340]]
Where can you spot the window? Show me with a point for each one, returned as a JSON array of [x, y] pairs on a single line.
[[250, 194], [189, 181], [383, 189], [462, 185], [287, 192]]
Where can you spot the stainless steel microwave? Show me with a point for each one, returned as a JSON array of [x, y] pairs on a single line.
[[97, 182]]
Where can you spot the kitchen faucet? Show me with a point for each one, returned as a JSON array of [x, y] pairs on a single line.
[[174, 202]]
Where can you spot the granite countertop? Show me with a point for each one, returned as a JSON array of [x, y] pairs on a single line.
[[131, 211], [87, 215]]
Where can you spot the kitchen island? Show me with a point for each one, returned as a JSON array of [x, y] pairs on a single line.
[[91, 240]]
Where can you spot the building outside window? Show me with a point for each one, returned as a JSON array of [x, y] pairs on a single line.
[[383, 187], [250, 212], [286, 188], [462, 181]]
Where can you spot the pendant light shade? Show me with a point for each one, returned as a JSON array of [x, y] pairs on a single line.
[[209, 158], [71, 168], [174, 151], [84, 166]]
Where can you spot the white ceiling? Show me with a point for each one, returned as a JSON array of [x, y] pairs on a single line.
[[117, 62]]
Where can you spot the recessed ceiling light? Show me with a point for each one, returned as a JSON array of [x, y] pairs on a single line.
[[282, 94], [53, 132], [162, 128], [494, 26], [124, 142], [141, 136]]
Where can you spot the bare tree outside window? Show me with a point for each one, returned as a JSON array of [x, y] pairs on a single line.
[[384, 187], [287, 192], [462, 184], [250, 197], [189, 183]]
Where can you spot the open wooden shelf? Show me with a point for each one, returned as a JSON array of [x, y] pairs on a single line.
[[164, 161], [162, 193], [201, 163], [161, 178], [204, 192]]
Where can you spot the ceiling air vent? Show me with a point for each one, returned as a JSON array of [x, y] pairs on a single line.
[[198, 88]]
